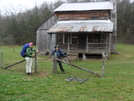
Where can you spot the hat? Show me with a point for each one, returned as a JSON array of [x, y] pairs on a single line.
[[30, 44], [57, 46]]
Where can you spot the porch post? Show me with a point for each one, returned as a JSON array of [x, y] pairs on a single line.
[[87, 43], [68, 44], [107, 36], [50, 42], [110, 42]]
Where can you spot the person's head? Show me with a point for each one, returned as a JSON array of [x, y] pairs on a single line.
[[57, 47], [30, 44]]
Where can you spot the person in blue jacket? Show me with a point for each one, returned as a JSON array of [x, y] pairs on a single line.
[[60, 54]]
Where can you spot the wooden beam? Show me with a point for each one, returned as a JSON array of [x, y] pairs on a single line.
[[110, 42], [96, 43], [107, 42], [15, 64], [80, 68], [68, 43], [51, 41], [55, 64], [87, 43]]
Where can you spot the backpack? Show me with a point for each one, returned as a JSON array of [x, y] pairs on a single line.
[[23, 51]]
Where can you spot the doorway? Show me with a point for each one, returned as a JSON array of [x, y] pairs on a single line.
[[82, 41]]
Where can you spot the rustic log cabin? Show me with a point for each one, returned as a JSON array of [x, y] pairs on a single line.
[[83, 28]]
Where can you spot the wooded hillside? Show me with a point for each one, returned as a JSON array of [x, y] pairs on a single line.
[[20, 28]]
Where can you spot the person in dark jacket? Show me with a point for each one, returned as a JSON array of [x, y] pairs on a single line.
[[60, 54]]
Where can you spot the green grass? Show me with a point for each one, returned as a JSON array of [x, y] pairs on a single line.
[[117, 85]]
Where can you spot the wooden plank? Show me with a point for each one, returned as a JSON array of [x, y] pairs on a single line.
[[15, 64], [84, 15], [96, 43]]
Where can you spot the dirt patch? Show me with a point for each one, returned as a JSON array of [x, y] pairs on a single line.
[[28, 79], [42, 74]]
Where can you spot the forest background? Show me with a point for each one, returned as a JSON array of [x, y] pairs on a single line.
[[19, 28]]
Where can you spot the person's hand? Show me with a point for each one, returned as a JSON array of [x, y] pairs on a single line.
[[33, 56], [37, 51]]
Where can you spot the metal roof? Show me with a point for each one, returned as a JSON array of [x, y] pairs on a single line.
[[85, 6], [82, 26]]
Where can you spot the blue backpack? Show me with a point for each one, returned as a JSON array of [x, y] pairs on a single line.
[[23, 51]]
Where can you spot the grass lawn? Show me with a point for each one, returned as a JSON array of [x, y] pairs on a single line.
[[117, 85]]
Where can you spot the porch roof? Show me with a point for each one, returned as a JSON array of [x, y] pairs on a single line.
[[82, 26]]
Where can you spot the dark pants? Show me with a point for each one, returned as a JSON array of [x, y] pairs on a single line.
[[60, 65]]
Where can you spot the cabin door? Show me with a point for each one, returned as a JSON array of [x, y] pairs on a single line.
[[82, 41]]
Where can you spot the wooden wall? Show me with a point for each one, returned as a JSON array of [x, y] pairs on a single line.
[[60, 42], [114, 20], [92, 43], [43, 40], [85, 15]]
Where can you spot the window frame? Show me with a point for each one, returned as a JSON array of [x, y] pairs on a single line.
[[97, 38], [70, 35]]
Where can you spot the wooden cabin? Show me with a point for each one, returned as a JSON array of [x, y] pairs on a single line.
[[85, 28]]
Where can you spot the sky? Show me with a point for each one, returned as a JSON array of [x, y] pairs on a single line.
[[19, 5]]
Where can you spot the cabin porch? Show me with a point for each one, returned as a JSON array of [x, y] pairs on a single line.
[[85, 43]]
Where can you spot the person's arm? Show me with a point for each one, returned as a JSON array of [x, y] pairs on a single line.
[[53, 51], [62, 53], [33, 49]]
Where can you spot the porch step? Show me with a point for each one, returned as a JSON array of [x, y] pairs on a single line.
[[72, 56]]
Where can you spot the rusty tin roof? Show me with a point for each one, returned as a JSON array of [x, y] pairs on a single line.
[[82, 26], [85, 6]]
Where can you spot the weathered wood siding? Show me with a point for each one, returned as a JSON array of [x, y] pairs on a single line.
[[93, 45], [60, 41], [114, 20], [85, 15], [43, 42], [91, 15]]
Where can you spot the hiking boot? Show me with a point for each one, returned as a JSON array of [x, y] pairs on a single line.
[[28, 73], [63, 72]]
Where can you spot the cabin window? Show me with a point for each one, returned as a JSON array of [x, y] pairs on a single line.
[[97, 38], [65, 38]]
